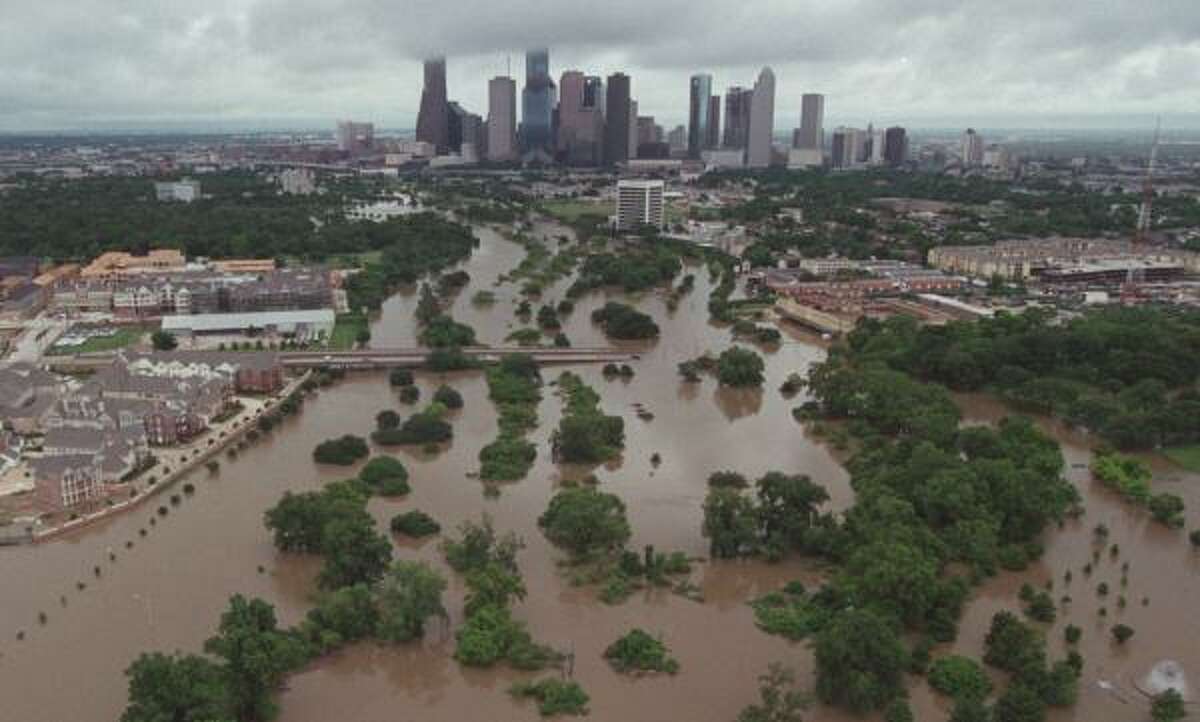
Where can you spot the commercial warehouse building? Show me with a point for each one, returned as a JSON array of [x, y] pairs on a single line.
[[316, 323]]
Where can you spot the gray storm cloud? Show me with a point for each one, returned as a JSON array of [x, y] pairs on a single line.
[[74, 63]]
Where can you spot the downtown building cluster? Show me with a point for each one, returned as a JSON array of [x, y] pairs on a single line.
[[588, 120], [593, 120]]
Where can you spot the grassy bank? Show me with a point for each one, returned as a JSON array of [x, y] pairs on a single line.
[[125, 336], [346, 330], [572, 210], [1186, 456]]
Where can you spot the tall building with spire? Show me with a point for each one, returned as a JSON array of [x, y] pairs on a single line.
[[762, 121], [433, 118], [502, 120], [537, 103]]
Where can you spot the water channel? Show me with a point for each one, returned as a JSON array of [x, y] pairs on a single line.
[[168, 590]]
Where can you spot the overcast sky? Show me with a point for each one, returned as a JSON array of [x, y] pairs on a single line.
[[90, 63]]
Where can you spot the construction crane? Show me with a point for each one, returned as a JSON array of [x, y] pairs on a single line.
[[1145, 214]]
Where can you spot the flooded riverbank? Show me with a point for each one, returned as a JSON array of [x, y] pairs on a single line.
[[168, 590]]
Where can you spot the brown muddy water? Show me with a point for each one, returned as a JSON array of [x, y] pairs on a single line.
[[168, 591]]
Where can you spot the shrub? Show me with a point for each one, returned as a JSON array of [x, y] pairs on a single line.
[[449, 359], [1167, 509], [1072, 634], [637, 651], [415, 523], [343, 451], [448, 397], [727, 480], [554, 696], [1041, 607], [789, 613], [622, 321], [1168, 706], [1122, 633], [425, 427], [959, 677], [409, 394], [584, 520], [740, 367], [898, 710], [508, 458]]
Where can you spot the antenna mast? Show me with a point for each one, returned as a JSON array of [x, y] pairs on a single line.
[[1145, 214]]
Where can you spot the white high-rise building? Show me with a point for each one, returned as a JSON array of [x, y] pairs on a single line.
[[877, 146], [640, 203], [972, 149], [762, 121]]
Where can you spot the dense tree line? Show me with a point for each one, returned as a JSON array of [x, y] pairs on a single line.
[[585, 434], [490, 634], [411, 246], [514, 386], [937, 508], [1128, 374], [363, 595], [622, 321]]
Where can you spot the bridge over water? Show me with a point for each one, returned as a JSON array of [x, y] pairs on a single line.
[[377, 358], [390, 357]]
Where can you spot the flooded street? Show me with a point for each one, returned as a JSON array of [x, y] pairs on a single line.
[[168, 590]]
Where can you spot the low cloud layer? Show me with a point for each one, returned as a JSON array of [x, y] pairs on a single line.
[[85, 63]]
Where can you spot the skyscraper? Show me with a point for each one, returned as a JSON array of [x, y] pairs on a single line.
[[580, 118], [847, 148], [812, 119], [677, 139], [633, 123], [972, 149], [737, 116], [466, 130], [617, 112], [570, 109], [502, 119], [593, 93], [698, 114], [895, 146], [714, 122], [433, 119], [762, 121], [537, 103]]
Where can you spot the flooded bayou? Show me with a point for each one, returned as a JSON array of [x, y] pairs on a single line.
[[168, 590]]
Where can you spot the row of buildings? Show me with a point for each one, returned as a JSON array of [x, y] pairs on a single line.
[[196, 292], [86, 439], [162, 282], [1100, 261]]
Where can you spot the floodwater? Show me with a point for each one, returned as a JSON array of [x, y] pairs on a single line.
[[168, 591]]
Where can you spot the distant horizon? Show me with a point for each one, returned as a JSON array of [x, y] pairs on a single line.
[[1122, 124]]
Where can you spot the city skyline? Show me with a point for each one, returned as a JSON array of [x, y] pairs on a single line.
[[242, 62]]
